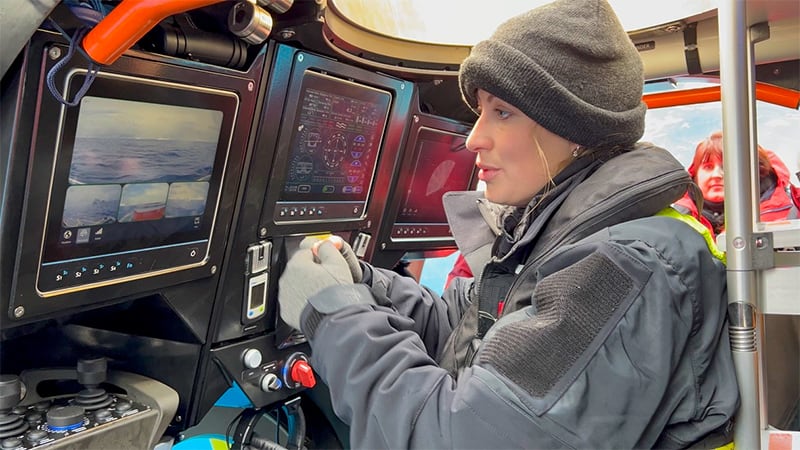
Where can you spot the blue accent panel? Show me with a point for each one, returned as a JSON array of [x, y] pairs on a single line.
[[234, 397]]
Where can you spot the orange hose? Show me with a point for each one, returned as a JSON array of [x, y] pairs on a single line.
[[683, 97], [778, 95], [765, 92], [128, 22]]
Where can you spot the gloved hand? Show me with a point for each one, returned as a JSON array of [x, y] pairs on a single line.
[[306, 274], [313, 243]]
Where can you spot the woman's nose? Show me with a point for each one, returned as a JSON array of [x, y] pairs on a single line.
[[476, 140]]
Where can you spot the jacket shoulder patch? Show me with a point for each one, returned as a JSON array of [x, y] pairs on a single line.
[[573, 305]]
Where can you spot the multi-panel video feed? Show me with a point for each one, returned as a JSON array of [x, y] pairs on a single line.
[[152, 165]]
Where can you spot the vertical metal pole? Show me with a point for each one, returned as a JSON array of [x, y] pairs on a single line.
[[739, 245]]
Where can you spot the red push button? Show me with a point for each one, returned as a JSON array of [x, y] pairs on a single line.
[[302, 373]]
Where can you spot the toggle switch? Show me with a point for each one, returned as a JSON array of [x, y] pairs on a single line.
[[302, 374]]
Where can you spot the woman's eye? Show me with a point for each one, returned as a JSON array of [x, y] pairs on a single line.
[[503, 114]]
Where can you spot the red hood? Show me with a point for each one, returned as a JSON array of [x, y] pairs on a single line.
[[781, 171]]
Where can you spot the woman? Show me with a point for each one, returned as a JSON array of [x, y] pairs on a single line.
[[594, 323], [706, 170]]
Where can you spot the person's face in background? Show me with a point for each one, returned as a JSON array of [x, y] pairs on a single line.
[[709, 178], [516, 156]]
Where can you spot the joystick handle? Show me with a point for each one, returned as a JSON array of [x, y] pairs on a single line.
[[92, 372]]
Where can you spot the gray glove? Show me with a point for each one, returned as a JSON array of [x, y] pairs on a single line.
[[306, 274], [313, 242]]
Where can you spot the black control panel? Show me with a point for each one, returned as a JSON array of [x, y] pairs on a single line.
[[265, 370]]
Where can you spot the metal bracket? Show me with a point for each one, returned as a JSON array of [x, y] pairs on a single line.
[[759, 32], [764, 252]]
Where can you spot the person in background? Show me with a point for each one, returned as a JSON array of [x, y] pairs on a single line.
[[598, 318], [795, 192], [460, 269], [776, 201]]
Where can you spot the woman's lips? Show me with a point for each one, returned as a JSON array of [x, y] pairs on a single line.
[[486, 174]]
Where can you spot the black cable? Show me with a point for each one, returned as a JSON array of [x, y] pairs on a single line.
[[260, 443], [245, 438], [228, 436], [296, 421], [277, 425]]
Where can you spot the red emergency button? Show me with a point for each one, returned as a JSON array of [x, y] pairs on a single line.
[[301, 373]]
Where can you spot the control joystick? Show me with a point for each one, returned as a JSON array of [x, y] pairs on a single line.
[[10, 394], [92, 372]]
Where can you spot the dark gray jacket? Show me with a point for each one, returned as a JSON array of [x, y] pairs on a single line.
[[613, 332]]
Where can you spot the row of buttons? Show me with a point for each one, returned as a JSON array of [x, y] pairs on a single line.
[[297, 211], [301, 211], [99, 270], [329, 189], [410, 231]]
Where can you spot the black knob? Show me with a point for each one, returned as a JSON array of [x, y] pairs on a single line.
[[65, 418], [11, 443], [34, 436], [92, 372]]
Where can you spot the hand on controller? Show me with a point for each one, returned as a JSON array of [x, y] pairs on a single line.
[[347, 252], [315, 266]]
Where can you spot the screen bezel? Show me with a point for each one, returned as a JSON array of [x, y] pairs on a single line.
[[425, 135], [340, 215], [123, 87], [439, 236]]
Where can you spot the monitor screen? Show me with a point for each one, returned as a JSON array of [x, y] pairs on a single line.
[[441, 164], [156, 169], [333, 150], [136, 181]]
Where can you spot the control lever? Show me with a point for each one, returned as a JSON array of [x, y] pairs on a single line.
[[92, 372], [10, 394]]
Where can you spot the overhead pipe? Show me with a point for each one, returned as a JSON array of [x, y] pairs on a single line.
[[128, 22]]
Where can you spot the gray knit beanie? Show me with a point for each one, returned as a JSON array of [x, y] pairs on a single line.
[[570, 66]]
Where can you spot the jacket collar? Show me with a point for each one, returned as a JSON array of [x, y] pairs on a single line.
[[632, 185]]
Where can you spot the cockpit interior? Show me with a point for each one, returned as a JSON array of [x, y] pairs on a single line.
[[160, 161]]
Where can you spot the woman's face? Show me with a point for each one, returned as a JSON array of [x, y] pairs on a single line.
[[709, 178], [513, 166]]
